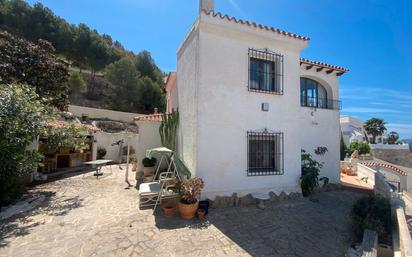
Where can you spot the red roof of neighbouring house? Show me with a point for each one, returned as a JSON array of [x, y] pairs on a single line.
[[255, 25], [150, 117], [322, 64], [63, 124]]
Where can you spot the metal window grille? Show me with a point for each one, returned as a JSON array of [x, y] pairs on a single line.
[[265, 71], [321, 103], [265, 153], [313, 94]]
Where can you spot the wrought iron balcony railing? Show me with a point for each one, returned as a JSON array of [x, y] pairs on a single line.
[[321, 103]]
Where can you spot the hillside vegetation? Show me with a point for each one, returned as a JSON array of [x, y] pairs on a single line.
[[134, 84]]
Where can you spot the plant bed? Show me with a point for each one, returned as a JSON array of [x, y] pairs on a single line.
[[374, 213]]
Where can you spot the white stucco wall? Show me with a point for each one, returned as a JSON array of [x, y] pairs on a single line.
[[102, 113], [349, 125], [321, 127], [217, 110], [104, 140], [227, 110], [187, 81], [148, 138]]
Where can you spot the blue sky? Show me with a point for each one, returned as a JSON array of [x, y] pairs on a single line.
[[372, 38]]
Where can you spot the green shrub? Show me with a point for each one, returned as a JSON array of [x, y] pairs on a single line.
[[101, 152], [70, 137], [21, 119], [362, 147], [372, 212], [309, 179]]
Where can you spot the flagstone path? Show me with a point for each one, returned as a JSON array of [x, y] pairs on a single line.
[[83, 216]]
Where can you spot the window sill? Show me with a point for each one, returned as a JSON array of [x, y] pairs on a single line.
[[265, 92], [264, 173], [322, 108]]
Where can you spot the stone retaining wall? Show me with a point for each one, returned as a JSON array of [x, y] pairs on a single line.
[[401, 157], [234, 200]]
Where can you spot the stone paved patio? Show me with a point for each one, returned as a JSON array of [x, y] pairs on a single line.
[[83, 216]]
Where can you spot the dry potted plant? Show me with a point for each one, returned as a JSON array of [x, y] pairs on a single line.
[[189, 197]]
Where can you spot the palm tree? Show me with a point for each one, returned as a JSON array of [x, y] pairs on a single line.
[[375, 127]]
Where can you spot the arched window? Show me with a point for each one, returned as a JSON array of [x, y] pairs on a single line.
[[312, 94]]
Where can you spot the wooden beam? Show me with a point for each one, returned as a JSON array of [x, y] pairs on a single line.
[[301, 63], [339, 74], [329, 71], [319, 69], [309, 67]]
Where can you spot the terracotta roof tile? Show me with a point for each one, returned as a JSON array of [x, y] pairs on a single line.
[[253, 24], [325, 65], [150, 117], [385, 165], [63, 124]]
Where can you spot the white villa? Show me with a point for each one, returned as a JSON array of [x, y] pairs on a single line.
[[249, 103], [352, 130]]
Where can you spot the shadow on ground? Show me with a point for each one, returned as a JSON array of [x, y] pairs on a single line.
[[305, 227], [21, 224]]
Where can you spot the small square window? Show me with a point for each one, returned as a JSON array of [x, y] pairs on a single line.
[[265, 72]]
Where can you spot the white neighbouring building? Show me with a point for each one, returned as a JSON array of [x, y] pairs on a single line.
[[249, 103], [352, 129]]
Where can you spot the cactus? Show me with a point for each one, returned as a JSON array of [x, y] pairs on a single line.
[[168, 129]]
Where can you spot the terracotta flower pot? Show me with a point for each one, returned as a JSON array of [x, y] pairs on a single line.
[[187, 211], [201, 214], [168, 211], [148, 170]]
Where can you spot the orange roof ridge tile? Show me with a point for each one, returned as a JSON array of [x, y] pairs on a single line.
[[307, 61], [254, 24], [150, 117]]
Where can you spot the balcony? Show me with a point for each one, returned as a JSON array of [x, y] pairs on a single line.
[[321, 103]]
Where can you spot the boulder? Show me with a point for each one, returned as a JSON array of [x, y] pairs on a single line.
[[283, 196], [235, 199], [247, 200], [219, 202], [273, 197]]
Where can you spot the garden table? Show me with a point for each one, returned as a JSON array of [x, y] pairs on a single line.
[[99, 165]]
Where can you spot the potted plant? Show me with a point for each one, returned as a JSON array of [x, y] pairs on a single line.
[[168, 210], [189, 197], [201, 214], [101, 152], [149, 166]]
